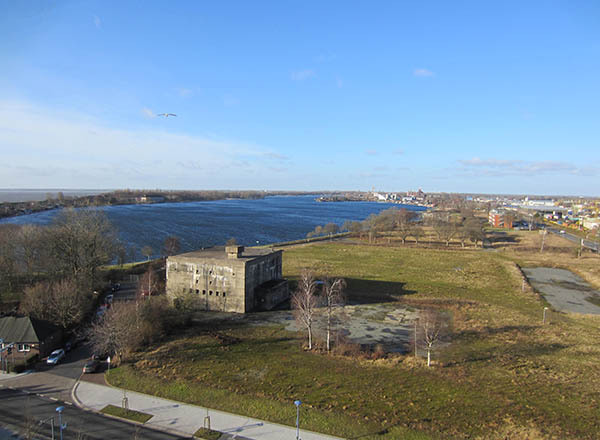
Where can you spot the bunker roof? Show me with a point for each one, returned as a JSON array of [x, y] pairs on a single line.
[[228, 253]]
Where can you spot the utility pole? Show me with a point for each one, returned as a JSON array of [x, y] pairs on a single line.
[[543, 239]]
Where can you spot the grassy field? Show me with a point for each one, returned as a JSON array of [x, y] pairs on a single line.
[[504, 375], [129, 414]]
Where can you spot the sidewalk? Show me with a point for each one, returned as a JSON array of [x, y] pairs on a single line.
[[184, 418]]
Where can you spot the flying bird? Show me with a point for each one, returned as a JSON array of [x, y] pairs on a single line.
[[166, 115]]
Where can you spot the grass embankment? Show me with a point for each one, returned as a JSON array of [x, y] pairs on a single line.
[[129, 414], [504, 375], [208, 434]]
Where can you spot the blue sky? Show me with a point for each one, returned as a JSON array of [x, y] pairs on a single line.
[[481, 96]]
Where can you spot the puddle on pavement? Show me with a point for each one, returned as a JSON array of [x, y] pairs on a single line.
[[564, 290], [388, 324]]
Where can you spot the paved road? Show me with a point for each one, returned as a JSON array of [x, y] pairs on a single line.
[[53, 381], [127, 292], [19, 409], [589, 244]]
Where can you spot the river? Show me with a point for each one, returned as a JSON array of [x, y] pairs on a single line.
[[210, 223]]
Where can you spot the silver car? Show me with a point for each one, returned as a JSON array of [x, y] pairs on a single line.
[[55, 356]]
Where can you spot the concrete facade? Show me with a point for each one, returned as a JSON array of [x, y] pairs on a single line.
[[230, 279]]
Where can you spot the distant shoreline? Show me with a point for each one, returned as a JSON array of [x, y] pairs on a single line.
[[127, 197]]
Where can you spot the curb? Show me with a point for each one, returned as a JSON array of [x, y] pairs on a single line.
[[80, 405], [175, 432]]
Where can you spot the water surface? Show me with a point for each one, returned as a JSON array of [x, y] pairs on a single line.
[[210, 223]]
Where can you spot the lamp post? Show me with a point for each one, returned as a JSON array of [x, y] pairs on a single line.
[[544, 319], [51, 420], [59, 410], [297, 403]]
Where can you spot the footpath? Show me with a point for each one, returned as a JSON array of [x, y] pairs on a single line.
[[184, 419]]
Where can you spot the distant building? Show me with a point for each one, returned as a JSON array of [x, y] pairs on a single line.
[[149, 199], [229, 279], [500, 219]]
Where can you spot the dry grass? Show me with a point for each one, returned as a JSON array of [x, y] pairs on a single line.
[[505, 375]]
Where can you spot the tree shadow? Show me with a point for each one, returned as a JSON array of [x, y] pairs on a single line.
[[361, 291]]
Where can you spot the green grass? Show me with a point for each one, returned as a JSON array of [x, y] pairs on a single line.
[[129, 414], [208, 434], [504, 375]]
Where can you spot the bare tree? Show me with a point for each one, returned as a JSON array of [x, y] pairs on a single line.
[[305, 301], [7, 258], [315, 232], [333, 297], [171, 245], [147, 252], [353, 227], [474, 230], [63, 302], [416, 232], [118, 332], [444, 229], [432, 327], [331, 228], [80, 241], [150, 284], [231, 242]]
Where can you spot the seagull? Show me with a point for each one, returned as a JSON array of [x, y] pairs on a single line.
[[166, 115]]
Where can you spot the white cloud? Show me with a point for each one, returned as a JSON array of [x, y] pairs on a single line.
[[184, 93], [423, 72], [301, 75], [148, 113], [502, 167], [42, 147], [97, 22]]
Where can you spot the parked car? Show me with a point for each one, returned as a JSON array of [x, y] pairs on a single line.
[[55, 357], [116, 286], [99, 356], [91, 366]]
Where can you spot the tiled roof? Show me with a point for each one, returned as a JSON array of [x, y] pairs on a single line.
[[24, 329]]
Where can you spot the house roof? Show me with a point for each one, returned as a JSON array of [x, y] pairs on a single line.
[[25, 329]]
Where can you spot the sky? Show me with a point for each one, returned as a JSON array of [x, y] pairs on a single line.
[[452, 96]]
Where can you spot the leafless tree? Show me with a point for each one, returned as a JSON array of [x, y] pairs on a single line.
[[416, 232], [353, 227], [150, 284], [118, 331], [305, 301], [444, 229], [7, 258], [171, 245], [63, 302], [331, 228], [315, 232], [147, 252], [431, 327], [333, 297], [231, 242], [474, 230], [80, 241]]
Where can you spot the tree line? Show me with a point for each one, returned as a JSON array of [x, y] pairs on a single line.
[[447, 225], [54, 269]]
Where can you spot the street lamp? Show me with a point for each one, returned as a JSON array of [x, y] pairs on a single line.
[[544, 319], [297, 403], [59, 410]]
